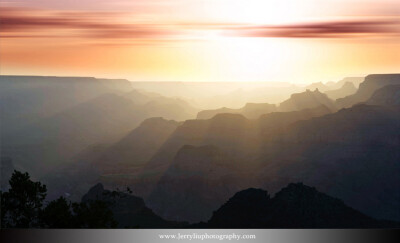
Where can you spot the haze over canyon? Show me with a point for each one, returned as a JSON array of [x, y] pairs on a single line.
[[209, 155]]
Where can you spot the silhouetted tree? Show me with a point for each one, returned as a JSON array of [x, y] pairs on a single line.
[[2, 210], [58, 214], [93, 214], [21, 205]]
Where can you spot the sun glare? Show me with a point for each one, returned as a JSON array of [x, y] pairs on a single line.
[[202, 40]]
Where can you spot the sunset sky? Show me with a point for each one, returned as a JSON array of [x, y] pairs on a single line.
[[200, 40]]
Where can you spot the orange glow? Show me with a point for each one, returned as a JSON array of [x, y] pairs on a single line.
[[235, 40]]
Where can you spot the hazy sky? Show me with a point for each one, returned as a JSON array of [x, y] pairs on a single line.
[[201, 40]]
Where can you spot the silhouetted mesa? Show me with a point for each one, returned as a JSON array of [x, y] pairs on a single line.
[[306, 100], [347, 89], [371, 83], [388, 95], [250, 111], [128, 210], [295, 206], [134, 150], [46, 121]]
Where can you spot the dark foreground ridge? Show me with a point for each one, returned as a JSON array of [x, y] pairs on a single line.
[[128, 210], [295, 206]]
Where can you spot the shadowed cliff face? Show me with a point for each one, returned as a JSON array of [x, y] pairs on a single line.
[[388, 95], [114, 164], [250, 111], [278, 121], [53, 141], [320, 86], [306, 100], [135, 150], [199, 178], [214, 95], [224, 160], [231, 132], [227, 130], [46, 121], [352, 154], [27, 99], [354, 80], [372, 83], [347, 89], [185, 170], [295, 206]]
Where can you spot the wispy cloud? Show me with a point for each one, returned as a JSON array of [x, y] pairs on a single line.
[[76, 24], [332, 29], [27, 23]]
